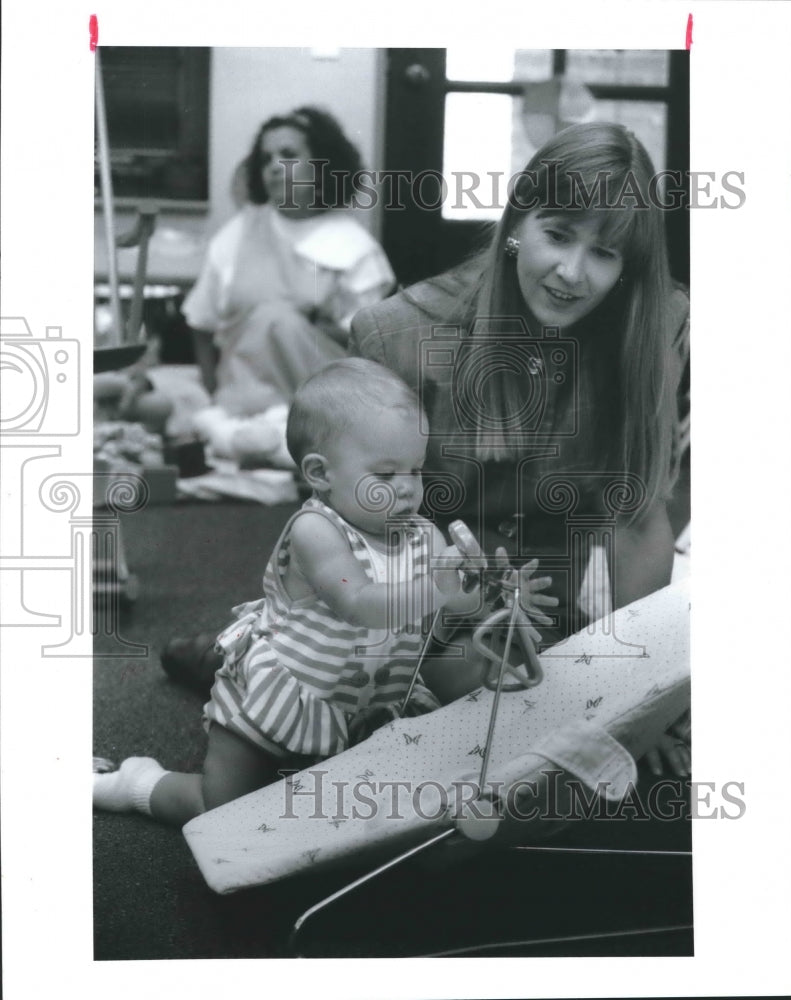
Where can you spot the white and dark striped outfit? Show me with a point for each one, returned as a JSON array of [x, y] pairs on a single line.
[[295, 674]]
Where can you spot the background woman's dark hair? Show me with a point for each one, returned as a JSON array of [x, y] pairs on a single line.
[[326, 141]]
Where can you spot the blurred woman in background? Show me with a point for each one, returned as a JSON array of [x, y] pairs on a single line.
[[284, 277]]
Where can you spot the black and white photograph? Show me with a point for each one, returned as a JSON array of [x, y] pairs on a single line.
[[348, 425], [304, 346]]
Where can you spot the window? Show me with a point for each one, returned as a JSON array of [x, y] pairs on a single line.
[[157, 105], [476, 115], [489, 125]]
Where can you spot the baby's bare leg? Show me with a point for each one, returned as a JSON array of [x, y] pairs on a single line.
[[232, 768], [177, 798]]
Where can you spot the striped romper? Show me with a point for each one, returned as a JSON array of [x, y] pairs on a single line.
[[295, 675]]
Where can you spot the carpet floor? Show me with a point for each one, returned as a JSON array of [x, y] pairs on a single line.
[[194, 562]]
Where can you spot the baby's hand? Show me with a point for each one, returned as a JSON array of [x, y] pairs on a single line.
[[446, 571], [531, 600]]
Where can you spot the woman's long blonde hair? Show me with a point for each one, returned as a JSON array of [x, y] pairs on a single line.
[[625, 345]]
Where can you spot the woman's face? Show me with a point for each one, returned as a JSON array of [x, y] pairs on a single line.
[[287, 143], [564, 267]]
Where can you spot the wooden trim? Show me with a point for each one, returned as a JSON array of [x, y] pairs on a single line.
[[677, 220], [411, 235], [601, 91]]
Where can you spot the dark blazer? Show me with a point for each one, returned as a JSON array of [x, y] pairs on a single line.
[[502, 502]]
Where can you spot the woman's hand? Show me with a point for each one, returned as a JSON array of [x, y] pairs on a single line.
[[531, 600], [673, 750]]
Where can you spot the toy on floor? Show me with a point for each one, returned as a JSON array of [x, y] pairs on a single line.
[[248, 429]]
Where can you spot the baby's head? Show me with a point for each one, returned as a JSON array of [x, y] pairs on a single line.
[[354, 431]]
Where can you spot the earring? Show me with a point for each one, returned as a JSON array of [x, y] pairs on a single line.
[[511, 247]]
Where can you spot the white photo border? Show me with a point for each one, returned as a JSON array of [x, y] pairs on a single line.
[[741, 262]]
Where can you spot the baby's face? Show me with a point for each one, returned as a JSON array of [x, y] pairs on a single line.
[[374, 470]]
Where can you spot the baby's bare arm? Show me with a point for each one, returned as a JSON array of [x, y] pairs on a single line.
[[330, 568]]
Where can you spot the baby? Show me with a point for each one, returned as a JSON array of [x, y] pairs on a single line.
[[348, 596]]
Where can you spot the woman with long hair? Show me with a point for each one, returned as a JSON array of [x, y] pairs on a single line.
[[549, 367]]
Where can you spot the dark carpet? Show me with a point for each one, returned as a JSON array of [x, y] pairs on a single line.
[[194, 562]]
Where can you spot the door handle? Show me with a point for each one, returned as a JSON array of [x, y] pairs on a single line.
[[417, 76]]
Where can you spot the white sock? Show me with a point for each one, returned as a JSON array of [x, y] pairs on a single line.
[[130, 787]]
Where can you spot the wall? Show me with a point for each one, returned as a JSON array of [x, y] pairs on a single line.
[[249, 85]]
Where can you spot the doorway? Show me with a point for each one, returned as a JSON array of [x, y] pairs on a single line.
[[459, 122]]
